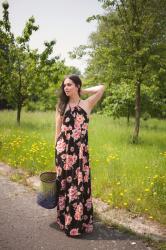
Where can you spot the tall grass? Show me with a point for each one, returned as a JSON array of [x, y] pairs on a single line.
[[123, 175]]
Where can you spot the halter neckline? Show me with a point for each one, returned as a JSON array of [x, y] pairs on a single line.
[[79, 108], [75, 105]]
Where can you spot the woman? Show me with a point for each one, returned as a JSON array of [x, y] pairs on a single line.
[[74, 208]]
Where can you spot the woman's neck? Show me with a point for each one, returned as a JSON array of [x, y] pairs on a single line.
[[74, 100]]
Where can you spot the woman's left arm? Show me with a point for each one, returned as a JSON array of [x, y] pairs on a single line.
[[58, 124], [96, 94]]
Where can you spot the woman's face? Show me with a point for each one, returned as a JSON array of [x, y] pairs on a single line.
[[70, 88]]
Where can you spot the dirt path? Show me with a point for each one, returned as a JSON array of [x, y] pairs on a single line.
[[24, 225]]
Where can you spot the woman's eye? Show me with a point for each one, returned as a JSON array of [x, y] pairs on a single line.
[[69, 84]]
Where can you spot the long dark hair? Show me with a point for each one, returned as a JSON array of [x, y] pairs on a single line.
[[63, 98]]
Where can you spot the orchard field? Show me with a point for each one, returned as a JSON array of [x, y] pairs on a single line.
[[125, 175]]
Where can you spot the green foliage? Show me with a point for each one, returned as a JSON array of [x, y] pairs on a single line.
[[27, 32], [119, 103]]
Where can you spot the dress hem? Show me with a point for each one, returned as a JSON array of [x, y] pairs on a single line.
[[62, 228]]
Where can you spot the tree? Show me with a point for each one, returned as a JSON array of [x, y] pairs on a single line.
[[30, 72], [128, 50], [141, 27], [6, 39]]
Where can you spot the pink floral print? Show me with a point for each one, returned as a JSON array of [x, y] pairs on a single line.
[[72, 193], [60, 146]]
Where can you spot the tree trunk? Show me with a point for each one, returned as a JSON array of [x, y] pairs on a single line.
[[128, 115], [19, 97], [19, 107], [137, 112]]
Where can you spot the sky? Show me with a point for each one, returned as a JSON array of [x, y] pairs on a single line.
[[60, 20]]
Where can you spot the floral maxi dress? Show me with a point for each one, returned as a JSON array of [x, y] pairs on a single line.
[[74, 207]]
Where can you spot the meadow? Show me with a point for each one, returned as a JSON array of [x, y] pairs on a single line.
[[123, 175]]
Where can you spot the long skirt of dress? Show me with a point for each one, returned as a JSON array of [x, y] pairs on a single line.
[[74, 208]]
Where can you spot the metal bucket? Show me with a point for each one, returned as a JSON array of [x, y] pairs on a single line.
[[47, 195]]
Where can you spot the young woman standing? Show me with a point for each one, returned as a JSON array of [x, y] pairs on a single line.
[[74, 208]]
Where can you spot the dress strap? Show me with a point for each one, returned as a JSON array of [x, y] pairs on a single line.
[[76, 105]]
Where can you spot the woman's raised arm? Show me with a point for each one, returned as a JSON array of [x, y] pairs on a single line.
[[96, 94]]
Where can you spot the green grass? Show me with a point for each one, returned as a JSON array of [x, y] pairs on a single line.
[[123, 174]]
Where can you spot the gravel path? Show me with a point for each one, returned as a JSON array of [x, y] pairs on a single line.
[[25, 226]]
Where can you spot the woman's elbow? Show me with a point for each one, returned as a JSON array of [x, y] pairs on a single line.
[[103, 86]]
